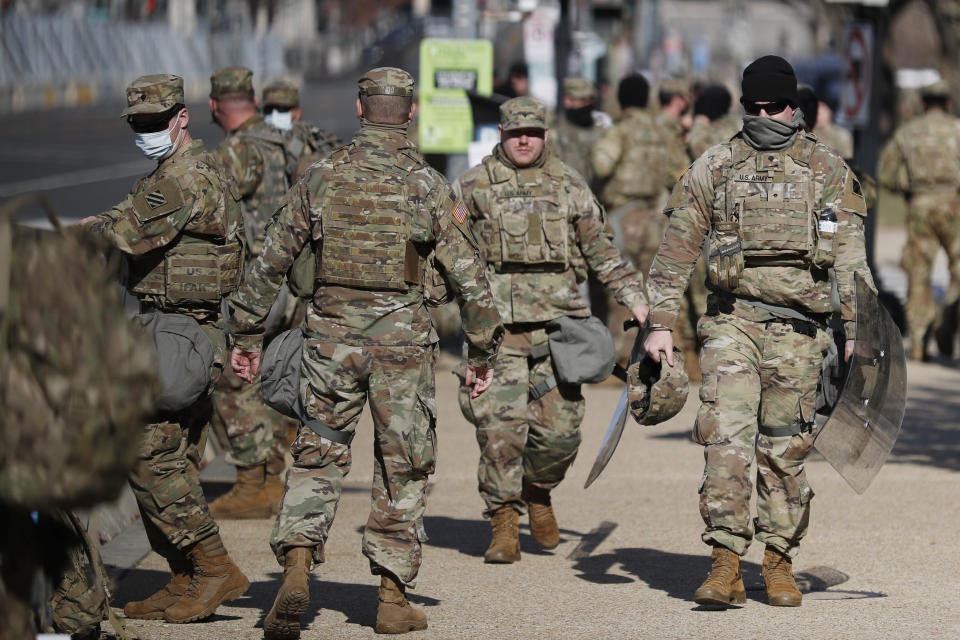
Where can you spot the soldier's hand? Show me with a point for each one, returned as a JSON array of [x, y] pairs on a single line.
[[659, 341], [480, 377], [848, 349], [640, 312], [84, 221], [245, 364]]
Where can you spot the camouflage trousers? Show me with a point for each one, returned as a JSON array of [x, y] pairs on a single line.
[[757, 395], [336, 381], [255, 433], [933, 221], [522, 439], [166, 480]]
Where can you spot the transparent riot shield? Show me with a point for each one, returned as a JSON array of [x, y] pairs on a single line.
[[865, 423]]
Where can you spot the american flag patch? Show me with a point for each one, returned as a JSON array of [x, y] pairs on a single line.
[[460, 212], [155, 199]]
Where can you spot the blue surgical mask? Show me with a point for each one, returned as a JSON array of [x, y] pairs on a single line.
[[282, 120], [157, 145]]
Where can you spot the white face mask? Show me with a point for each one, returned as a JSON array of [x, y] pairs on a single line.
[[157, 145], [282, 120]]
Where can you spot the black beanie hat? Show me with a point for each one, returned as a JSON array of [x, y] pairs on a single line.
[[809, 104], [634, 91], [769, 79], [713, 102]]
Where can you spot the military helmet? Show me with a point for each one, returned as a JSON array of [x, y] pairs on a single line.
[[657, 391]]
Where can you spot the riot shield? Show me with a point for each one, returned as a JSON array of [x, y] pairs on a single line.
[[865, 423]]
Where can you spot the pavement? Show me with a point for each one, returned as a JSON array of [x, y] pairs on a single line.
[[879, 564]]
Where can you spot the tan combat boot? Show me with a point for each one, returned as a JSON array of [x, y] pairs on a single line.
[[777, 573], [395, 614], [153, 607], [247, 499], [505, 545], [283, 621], [215, 580], [723, 585], [543, 523], [274, 487]]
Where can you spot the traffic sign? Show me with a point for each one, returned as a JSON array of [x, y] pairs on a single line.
[[855, 90]]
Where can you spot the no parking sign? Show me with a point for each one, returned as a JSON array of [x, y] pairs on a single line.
[[855, 91]]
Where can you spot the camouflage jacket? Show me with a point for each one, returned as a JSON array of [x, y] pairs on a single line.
[[305, 144], [573, 144], [678, 160], [698, 204], [923, 155], [357, 316], [255, 156], [552, 189], [704, 135], [634, 158], [837, 138], [187, 200]]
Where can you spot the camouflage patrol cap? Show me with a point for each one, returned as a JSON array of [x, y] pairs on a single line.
[[656, 391], [939, 89], [675, 85], [523, 113], [386, 81], [231, 80], [578, 88], [281, 93], [153, 94]]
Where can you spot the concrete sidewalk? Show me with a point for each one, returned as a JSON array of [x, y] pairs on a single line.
[[880, 564]]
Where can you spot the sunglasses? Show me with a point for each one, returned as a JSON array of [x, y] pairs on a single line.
[[771, 108]]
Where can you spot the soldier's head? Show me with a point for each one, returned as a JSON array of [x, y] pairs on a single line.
[[156, 113], [825, 111], [523, 130], [386, 96], [281, 104], [232, 101], [809, 105], [713, 102], [769, 89], [518, 78], [578, 93], [936, 96], [674, 96], [634, 91]]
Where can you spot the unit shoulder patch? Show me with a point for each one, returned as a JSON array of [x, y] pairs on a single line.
[[157, 200]]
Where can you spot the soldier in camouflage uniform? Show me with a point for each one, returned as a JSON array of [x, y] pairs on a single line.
[[255, 155], [674, 121], [541, 229], [712, 121], [633, 159], [832, 134], [922, 161], [759, 198], [305, 143], [368, 336], [182, 232], [573, 135]]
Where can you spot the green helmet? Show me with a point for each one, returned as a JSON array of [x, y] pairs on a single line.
[[656, 391]]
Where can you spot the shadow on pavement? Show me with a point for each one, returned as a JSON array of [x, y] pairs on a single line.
[[471, 537], [929, 435]]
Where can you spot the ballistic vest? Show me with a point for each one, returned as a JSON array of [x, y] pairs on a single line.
[[641, 171], [258, 208], [931, 153]]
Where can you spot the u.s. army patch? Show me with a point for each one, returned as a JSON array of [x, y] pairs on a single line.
[[158, 200], [460, 212]]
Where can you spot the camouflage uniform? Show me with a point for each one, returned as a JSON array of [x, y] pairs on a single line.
[[368, 335], [704, 134], [572, 143], [760, 369], [534, 280], [305, 143], [254, 154], [634, 159], [835, 137], [922, 161], [185, 208]]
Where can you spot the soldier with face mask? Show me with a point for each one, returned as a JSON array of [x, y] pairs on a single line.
[[254, 153], [541, 230], [305, 143], [182, 232], [578, 129], [784, 216]]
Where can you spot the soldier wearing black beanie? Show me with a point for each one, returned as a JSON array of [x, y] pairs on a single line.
[[769, 79], [634, 91]]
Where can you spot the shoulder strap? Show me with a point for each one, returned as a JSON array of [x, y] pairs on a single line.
[[495, 171]]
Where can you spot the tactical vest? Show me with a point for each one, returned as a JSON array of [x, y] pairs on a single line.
[[931, 154], [641, 172], [527, 230], [367, 221], [764, 212], [259, 208], [196, 269], [306, 141]]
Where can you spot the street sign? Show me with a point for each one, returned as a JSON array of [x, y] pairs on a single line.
[[448, 69], [858, 51]]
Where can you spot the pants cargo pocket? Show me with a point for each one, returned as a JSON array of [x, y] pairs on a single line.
[[782, 401], [423, 442], [706, 428]]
